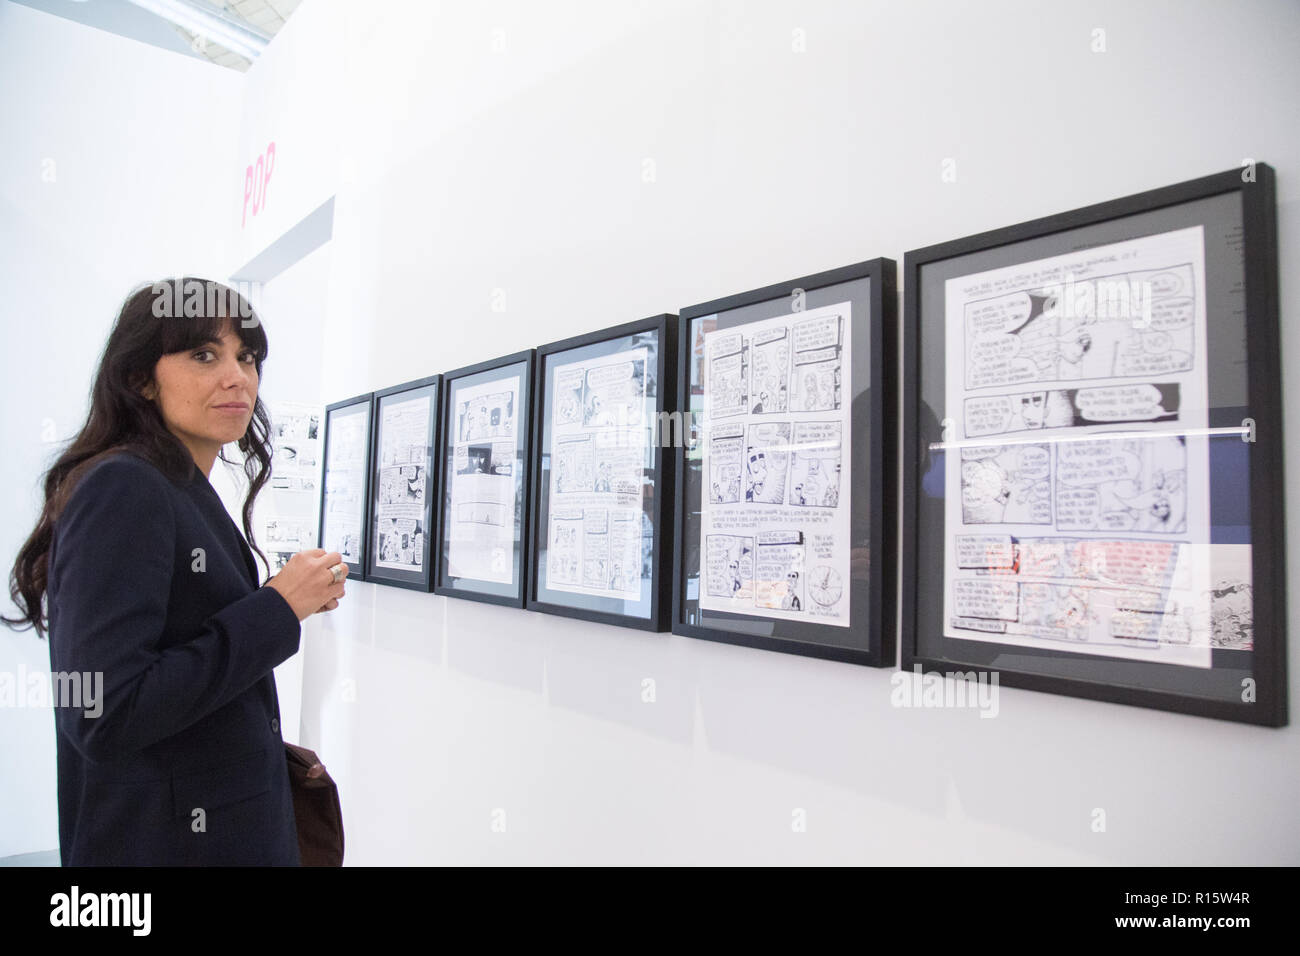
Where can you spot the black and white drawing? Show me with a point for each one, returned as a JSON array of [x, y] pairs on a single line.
[[769, 352], [598, 463], [614, 394], [767, 460], [819, 344], [1071, 407], [728, 370], [774, 530], [401, 492], [730, 567], [1232, 613], [296, 447], [401, 542], [1006, 484], [485, 458], [568, 396], [487, 415], [779, 571], [482, 475], [825, 586], [284, 537], [815, 465], [1114, 325], [345, 483], [728, 469], [1077, 472]]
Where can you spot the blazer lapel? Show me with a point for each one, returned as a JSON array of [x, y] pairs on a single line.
[[249, 563], [201, 480]]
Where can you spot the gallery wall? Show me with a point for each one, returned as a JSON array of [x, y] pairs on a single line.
[[110, 176], [512, 174], [509, 174]]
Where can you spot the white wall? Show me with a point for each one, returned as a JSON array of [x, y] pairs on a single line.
[[501, 146], [119, 167], [474, 147]]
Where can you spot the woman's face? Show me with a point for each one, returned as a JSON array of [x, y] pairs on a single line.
[[206, 395]]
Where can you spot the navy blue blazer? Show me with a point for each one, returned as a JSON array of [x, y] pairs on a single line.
[[151, 583]]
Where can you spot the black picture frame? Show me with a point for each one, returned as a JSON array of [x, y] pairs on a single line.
[[429, 387], [464, 586], [1236, 210], [364, 404], [650, 610], [870, 289]]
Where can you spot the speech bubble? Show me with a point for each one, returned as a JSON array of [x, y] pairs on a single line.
[[1076, 509], [999, 315], [1152, 363], [985, 551], [1120, 403], [1117, 520], [1035, 462], [1156, 342], [1090, 462], [1040, 508], [988, 416], [997, 600], [609, 374], [817, 333], [1171, 313], [1166, 283], [973, 452], [987, 350]]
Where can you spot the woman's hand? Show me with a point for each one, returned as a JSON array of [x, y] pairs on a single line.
[[306, 584]]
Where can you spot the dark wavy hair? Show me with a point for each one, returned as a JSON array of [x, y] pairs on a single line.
[[171, 315]]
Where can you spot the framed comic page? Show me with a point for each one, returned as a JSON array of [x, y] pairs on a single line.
[[483, 458], [600, 524], [345, 485], [400, 527], [1093, 453], [781, 488]]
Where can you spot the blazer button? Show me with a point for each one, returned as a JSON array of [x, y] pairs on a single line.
[[275, 725]]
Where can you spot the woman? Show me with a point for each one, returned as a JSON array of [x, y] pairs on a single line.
[[173, 754]]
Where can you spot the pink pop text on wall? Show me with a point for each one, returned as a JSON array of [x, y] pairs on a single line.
[[256, 178]]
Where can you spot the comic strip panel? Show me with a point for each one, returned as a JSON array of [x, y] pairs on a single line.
[[614, 394], [401, 542], [568, 396], [727, 386], [1127, 324], [485, 458], [486, 416], [1129, 484], [815, 465], [779, 570], [767, 460], [564, 548], [726, 462], [1006, 484], [770, 353], [818, 347], [1071, 407], [729, 566]]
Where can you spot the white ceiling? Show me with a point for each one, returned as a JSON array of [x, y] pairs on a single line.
[[126, 19]]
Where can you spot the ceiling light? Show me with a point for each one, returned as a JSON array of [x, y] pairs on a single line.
[[211, 23]]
